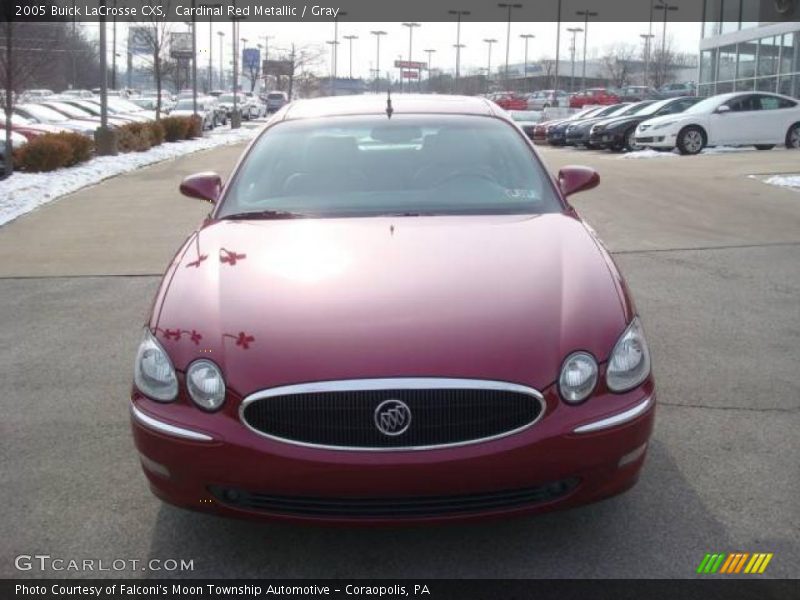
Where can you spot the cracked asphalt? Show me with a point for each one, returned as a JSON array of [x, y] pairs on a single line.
[[712, 258]]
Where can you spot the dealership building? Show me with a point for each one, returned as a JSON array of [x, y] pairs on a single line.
[[738, 52]]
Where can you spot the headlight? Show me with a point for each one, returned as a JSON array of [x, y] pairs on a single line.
[[205, 384], [662, 125], [578, 377], [629, 364], [153, 373]]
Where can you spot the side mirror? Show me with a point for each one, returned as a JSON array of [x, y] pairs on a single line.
[[721, 110], [205, 186], [573, 179]]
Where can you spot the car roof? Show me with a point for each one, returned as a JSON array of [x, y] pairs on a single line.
[[375, 104]]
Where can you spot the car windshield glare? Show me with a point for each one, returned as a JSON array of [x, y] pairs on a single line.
[[408, 166], [707, 105]]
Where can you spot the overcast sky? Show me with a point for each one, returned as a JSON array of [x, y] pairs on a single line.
[[438, 36]]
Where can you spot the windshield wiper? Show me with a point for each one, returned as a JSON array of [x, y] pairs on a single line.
[[265, 214]]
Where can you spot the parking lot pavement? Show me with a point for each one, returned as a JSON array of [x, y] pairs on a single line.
[[711, 257]]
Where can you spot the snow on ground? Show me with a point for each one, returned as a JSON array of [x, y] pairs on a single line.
[[790, 181], [23, 192], [648, 153]]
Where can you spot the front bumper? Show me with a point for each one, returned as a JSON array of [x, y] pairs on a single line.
[[606, 139], [655, 139], [577, 138], [572, 456]]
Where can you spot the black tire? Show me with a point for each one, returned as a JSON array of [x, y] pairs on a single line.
[[765, 146], [691, 140], [630, 144], [793, 137]]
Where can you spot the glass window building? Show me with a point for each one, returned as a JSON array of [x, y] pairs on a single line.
[[739, 53]]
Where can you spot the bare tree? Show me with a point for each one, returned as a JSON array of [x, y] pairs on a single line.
[[157, 32], [300, 61], [618, 61], [32, 54]]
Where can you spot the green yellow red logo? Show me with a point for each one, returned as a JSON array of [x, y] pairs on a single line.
[[735, 563]]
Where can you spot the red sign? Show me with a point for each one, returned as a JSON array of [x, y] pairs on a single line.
[[409, 64], [410, 74]]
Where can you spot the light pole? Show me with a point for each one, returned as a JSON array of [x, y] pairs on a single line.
[[458, 48], [458, 45], [510, 7], [646, 37], [194, 62], [665, 7], [574, 31], [558, 44], [585, 14], [527, 37], [411, 27], [332, 44], [335, 45], [350, 39], [377, 33], [429, 52], [221, 35], [114, 50], [489, 42]]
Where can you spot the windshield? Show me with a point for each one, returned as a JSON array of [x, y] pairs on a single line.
[[410, 165], [612, 111], [187, 105], [707, 105], [654, 107], [227, 98], [637, 108], [69, 110], [42, 113], [123, 105], [276, 96]]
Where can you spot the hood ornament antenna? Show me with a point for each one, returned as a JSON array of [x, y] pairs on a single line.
[[389, 109]]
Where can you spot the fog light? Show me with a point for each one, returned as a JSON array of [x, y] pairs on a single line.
[[153, 466], [632, 456]]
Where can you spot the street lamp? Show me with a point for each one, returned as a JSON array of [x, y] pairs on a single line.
[[585, 14], [411, 27], [489, 42], [574, 31], [429, 52], [508, 32], [458, 45], [665, 7], [332, 44], [350, 39], [558, 44], [211, 48], [527, 37], [646, 37], [377, 33], [458, 48], [221, 35], [335, 45]]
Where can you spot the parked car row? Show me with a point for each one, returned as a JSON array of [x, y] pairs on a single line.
[[632, 93], [686, 123]]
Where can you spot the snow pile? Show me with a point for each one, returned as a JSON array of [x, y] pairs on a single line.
[[727, 149], [790, 181], [23, 192], [648, 153]]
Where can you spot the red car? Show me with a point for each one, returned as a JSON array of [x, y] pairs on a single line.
[[600, 96], [510, 101], [391, 314]]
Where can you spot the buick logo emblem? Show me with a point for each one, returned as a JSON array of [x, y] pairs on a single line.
[[392, 417]]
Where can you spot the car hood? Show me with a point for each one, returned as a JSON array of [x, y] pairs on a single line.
[[498, 297], [619, 121], [676, 118]]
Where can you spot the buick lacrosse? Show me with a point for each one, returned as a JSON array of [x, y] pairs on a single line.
[[391, 313]]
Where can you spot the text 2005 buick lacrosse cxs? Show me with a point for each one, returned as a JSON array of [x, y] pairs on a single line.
[[391, 314]]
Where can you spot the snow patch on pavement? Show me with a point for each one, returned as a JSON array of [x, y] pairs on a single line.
[[23, 192], [647, 153], [790, 181]]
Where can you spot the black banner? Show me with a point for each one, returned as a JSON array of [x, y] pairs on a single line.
[[733, 588], [386, 11]]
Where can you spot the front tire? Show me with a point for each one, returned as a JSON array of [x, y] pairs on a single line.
[[630, 141], [793, 137], [765, 146], [691, 140]]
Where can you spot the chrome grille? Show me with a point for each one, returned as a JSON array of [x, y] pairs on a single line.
[[346, 414]]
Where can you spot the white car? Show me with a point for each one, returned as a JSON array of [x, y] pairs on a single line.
[[205, 110], [757, 119]]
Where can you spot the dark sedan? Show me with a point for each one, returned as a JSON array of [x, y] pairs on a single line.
[[578, 133], [618, 133], [345, 340], [556, 134]]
